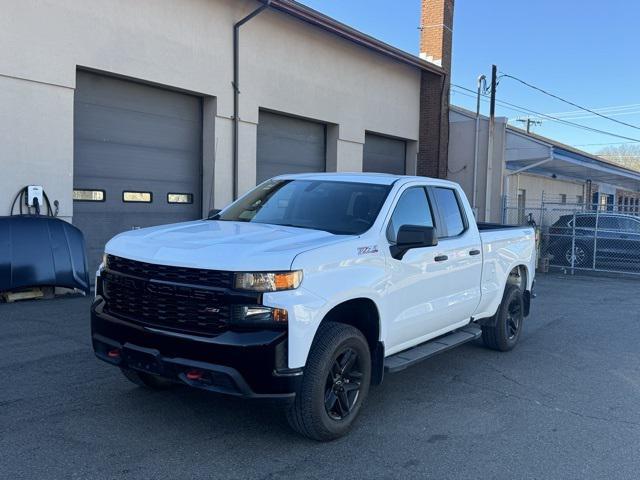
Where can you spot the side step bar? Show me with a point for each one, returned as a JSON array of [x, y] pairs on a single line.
[[406, 358]]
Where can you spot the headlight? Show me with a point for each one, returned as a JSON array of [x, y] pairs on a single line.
[[268, 282]]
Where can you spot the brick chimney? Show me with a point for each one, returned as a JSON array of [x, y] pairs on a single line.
[[435, 46], [436, 27]]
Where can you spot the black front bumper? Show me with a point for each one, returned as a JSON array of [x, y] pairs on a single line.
[[247, 364]]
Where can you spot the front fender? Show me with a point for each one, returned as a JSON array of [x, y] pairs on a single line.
[[306, 311]]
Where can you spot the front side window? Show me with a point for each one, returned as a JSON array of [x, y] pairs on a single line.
[[449, 208], [412, 209], [585, 222], [341, 208]]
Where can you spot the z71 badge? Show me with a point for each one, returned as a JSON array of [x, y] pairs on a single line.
[[366, 250]]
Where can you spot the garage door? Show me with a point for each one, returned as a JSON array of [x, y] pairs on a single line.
[[137, 158], [384, 154], [289, 145]]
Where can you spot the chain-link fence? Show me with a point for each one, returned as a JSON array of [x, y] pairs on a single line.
[[582, 236]]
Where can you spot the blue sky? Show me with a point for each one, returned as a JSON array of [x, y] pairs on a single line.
[[586, 51]]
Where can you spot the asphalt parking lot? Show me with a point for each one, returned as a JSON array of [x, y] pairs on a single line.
[[564, 404]]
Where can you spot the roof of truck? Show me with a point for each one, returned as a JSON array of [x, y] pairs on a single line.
[[360, 177]]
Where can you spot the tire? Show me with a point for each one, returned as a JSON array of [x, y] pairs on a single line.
[[147, 380], [504, 335], [330, 395]]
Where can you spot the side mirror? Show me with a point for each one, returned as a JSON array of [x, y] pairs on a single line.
[[413, 236], [213, 212]]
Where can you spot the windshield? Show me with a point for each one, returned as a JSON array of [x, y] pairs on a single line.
[[341, 208]]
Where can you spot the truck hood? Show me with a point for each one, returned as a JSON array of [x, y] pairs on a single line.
[[220, 245]]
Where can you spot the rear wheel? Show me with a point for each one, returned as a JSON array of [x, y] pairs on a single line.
[[505, 333], [335, 384], [147, 380]]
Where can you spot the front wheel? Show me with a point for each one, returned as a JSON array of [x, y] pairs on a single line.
[[335, 384], [505, 332], [580, 257]]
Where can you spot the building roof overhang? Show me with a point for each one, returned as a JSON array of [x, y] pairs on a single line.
[[525, 152]]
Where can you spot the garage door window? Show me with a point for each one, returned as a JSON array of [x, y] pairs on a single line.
[[137, 197], [84, 195], [179, 198]]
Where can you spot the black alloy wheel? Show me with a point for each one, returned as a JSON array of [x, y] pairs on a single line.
[[514, 318], [342, 387], [334, 385], [504, 329]]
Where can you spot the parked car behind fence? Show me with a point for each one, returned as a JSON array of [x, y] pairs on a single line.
[[584, 236]]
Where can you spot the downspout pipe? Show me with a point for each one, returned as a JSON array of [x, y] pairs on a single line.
[[236, 88]]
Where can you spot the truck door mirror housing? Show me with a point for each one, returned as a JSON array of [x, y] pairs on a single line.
[[413, 236]]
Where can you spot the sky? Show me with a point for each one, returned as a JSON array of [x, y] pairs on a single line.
[[585, 51]]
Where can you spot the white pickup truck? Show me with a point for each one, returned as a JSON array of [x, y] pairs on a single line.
[[309, 288]]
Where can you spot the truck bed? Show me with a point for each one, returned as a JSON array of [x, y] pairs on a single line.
[[484, 226]]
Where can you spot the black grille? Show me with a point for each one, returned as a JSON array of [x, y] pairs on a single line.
[[193, 276], [141, 295]]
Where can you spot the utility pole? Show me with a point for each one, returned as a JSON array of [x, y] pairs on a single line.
[[492, 133], [529, 122], [482, 82]]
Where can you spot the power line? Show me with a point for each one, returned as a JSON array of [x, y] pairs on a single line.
[[606, 143], [552, 118], [568, 101], [608, 110]]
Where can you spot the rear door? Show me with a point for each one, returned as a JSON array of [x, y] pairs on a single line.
[[610, 241], [460, 251]]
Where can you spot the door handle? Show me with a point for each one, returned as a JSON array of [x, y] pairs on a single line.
[[474, 252], [441, 258]]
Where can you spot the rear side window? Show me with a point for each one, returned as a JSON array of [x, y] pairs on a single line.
[[449, 208], [630, 225], [412, 209], [609, 223]]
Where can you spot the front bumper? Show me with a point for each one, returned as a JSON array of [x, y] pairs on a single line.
[[247, 364]]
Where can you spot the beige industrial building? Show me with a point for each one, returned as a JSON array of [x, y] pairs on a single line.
[[133, 113]]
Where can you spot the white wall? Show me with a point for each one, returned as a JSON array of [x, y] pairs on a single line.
[[535, 186], [286, 65], [461, 162]]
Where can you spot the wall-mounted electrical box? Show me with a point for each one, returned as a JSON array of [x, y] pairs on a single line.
[[34, 195]]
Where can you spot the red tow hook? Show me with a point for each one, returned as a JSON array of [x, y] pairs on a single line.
[[195, 374], [115, 353]]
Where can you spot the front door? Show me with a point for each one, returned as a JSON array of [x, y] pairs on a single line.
[[414, 286], [432, 289]]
